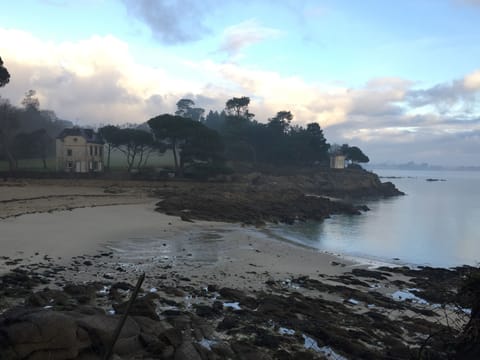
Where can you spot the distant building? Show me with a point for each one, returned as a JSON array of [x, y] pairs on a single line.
[[337, 161], [79, 150]]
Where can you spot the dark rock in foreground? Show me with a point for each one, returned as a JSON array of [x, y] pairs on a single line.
[[298, 319]]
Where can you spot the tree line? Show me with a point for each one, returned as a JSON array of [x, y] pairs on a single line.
[[28, 132], [198, 142], [208, 142]]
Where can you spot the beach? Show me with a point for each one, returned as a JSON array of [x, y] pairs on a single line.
[[45, 219], [100, 236]]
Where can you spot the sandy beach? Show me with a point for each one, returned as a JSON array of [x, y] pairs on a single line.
[[62, 222]]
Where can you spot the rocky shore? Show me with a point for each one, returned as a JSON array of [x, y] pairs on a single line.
[[258, 199], [349, 316]]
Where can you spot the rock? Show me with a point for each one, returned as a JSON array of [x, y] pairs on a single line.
[[42, 333], [266, 339], [238, 295], [246, 351], [18, 283], [223, 349], [47, 297], [102, 327], [81, 334], [370, 274], [82, 293], [212, 288], [181, 322], [173, 336], [186, 351], [228, 322], [143, 306], [206, 311]]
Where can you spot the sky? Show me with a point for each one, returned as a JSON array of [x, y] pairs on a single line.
[[399, 79]]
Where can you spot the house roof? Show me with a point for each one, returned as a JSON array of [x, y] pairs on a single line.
[[88, 134]]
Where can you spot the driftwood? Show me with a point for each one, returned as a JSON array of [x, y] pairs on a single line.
[[118, 330]]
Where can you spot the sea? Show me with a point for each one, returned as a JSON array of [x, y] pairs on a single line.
[[437, 223]]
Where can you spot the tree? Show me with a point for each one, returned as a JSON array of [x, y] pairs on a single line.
[[353, 154], [203, 144], [309, 144], [184, 106], [215, 120], [188, 139], [171, 130], [9, 125], [186, 109], [239, 129], [238, 107], [281, 122], [318, 147], [4, 74], [108, 133], [41, 142], [356, 155], [32, 145], [135, 144], [30, 102]]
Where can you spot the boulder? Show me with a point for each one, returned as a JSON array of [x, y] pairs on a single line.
[[41, 334]]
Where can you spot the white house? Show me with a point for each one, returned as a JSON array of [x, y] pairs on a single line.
[[79, 150]]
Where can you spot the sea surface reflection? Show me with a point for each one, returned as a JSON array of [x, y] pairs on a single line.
[[437, 223]]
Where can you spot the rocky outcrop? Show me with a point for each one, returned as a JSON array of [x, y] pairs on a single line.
[[256, 198], [249, 205]]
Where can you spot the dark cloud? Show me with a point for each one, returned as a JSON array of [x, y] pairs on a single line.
[[445, 97], [170, 21], [442, 96]]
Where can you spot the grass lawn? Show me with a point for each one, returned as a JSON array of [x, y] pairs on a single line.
[[117, 162]]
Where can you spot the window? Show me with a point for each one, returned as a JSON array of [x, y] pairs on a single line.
[[91, 150], [69, 164], [100, 151], [69, 152], [96, 150]]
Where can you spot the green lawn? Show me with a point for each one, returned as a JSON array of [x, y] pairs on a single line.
[[30, 164], [117, 162]]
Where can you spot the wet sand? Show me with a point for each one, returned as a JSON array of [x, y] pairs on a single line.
[[144, 240], [36, 224]]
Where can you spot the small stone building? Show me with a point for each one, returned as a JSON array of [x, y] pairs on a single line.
[[337, 161], [79, 150]]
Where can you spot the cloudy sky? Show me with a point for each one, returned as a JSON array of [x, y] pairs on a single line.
[[400, 79]]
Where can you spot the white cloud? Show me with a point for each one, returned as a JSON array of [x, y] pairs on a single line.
[[472, 81], [237, 37], [94, 80]]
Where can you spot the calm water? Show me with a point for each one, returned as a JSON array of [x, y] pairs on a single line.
[[436, 223]]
